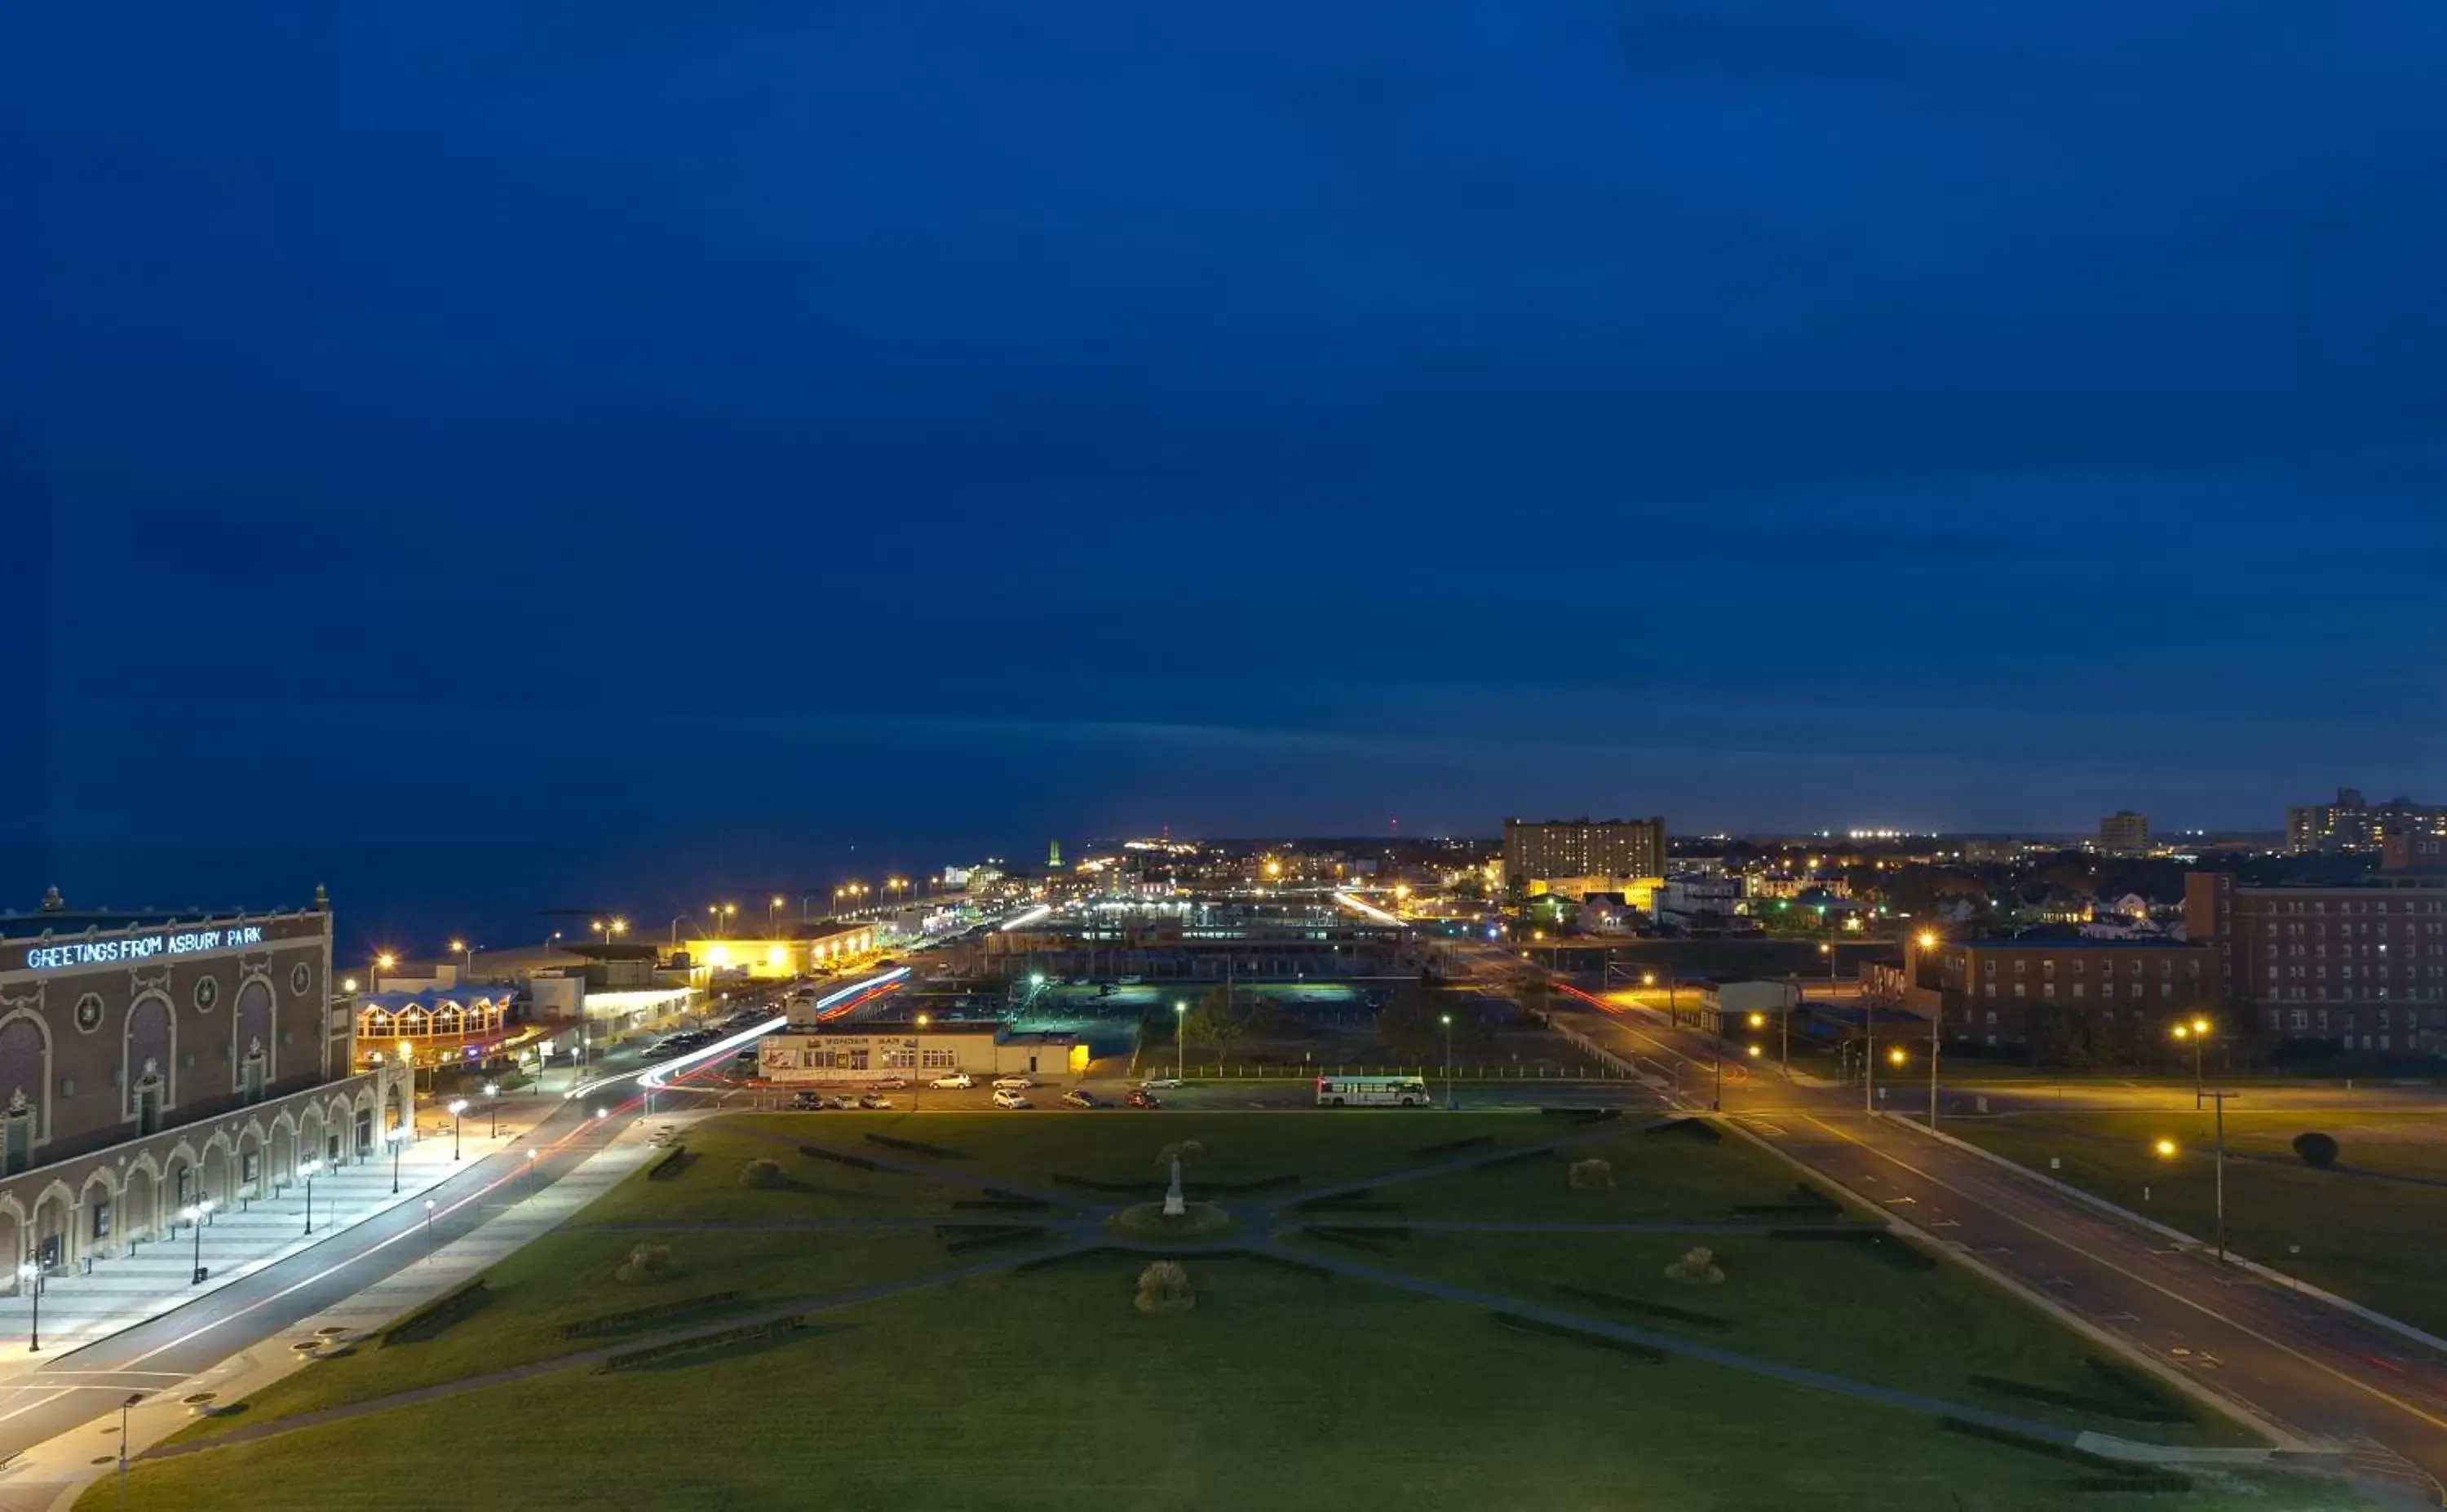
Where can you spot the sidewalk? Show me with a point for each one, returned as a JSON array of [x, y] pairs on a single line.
[[151, 1279], [55, 1473]]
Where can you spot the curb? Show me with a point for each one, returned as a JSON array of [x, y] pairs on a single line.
[[2266, 1273]]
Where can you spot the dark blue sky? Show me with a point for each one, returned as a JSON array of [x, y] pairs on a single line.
[[934, 426]]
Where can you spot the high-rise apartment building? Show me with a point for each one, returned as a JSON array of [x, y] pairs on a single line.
[[1578, 847], [2350, 823], [2124, 833]]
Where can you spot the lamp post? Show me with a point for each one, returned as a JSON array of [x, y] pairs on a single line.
[[32, 1274], [2198, 1033], [398, 1137], [1181, 1039], [1452, 1100], [458, 1106], [1717, 1097], [308, 1171], [122, 1444], [428, 1225], [1868, 1059], [772, 910], [531, 1173], [2166, 1149], [918, 1065], [493, 1106], [195, 1214]]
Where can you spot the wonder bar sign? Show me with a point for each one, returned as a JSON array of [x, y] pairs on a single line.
[[139, 947]]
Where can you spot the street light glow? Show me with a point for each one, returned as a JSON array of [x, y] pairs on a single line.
[[2164, 1149], [1929, 940]]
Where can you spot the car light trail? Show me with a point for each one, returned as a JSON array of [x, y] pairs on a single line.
[[1365, 910], [1027, 916], [840, 1000]]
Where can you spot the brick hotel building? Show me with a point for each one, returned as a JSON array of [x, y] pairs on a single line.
[[148, 1060]]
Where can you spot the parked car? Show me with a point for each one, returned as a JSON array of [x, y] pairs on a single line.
[[893, 1084], [841, 1100], [957, 1082], [1013, 1084], [1077, 1099], [805, 1101], [1005, 1097], [1141, 1097], [874, 1099], [1160, 1084]]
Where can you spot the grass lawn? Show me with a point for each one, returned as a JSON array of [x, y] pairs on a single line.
[[1049, 1389], [1322, 1148], [2349, 1229], [1834, 1308]]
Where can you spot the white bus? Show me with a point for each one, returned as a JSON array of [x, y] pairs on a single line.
[[1372, 1091]]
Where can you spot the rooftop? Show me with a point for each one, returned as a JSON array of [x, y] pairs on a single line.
[[2078, 942]]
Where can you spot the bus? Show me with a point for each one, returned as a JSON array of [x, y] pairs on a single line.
[[1372, 1091]]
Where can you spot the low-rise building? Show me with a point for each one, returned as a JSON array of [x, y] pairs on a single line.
[[2364, 963], [810, 1055], [1990, 991]]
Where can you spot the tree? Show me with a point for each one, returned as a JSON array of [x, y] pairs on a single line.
[[1411, 1026], [1220, 1019]]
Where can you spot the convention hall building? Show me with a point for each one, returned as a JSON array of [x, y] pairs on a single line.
[[150, 1060]]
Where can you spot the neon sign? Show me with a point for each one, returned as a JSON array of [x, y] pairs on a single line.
[[139, 947]]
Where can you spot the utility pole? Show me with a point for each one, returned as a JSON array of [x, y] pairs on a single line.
[[2219, 1095]]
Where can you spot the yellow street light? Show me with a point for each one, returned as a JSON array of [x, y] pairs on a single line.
[[347, 984], [1895, 1057], [2164, 1149], [619, 926], [1648, 979], [2200, 1025], [1759, 1020], [1929, 940], [458, 947], [1754, 1052], [2181, 1030]]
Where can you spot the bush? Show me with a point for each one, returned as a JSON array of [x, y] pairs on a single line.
[[1591, 1175], [2318, 1151], [648, 1262], [1164, 1287], [1698, 1267], [763, 1175]]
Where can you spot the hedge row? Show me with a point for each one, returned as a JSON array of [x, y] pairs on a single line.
[[1633, 1304], [838, 1157], [1530, 1325], [916, 1148], [701, 1341], [438, 1315], [2077, 1402], [608, 1322]]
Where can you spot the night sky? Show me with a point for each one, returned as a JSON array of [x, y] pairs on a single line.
[[619, 450]]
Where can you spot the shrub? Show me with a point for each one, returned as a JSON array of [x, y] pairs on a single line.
[[2318, 1151], [763, 1175], [1698, 1267], [1164, 1287], [648, 1262], [1591, 1175]]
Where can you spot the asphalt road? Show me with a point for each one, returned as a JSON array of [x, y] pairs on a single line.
[[2308, 1365], [73, 1388]]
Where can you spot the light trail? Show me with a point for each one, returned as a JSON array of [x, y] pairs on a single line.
[[832, 1005], [1027, 916], [1369, 910]]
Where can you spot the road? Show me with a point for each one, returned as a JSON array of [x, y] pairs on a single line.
[[2311, 1367], [75, 1388]]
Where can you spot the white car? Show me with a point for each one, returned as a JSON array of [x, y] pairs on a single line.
[[957, 1082], [1162, 1083], [1013, 1084], [1005, 1097]]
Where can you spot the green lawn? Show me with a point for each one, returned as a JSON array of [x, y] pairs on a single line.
[[2350, 1229], [1049, 1389]]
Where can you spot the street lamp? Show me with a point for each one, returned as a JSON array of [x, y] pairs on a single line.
[[428, 1225], [457, 1107], [2198, 1033], [33, 1275], [1181, 1039], [918, 1067], [397, 1134], [772, 908], [308, 1171], [493, 1104], [2166, 1150], [1452, 1100], [531, 1173], [194, 1213]]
